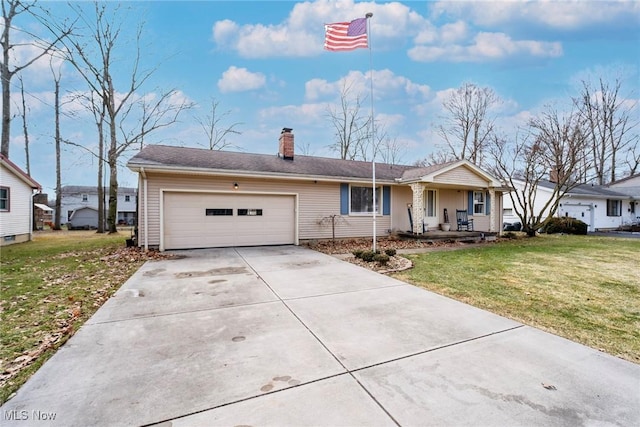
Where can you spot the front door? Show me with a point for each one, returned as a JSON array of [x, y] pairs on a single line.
[[431, 209]]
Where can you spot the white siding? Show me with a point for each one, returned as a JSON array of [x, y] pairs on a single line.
[[17, 221], [317, 202]]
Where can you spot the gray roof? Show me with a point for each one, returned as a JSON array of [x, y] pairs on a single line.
[[164, 156], [86, 189], [588, 190]]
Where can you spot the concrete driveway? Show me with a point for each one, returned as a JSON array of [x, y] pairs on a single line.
[[288, 336]]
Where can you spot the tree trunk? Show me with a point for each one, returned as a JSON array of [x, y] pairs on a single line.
[[58, 207], [6, 107], [101, 159], [112, 216]]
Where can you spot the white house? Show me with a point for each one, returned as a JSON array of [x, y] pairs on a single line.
[[629, 186], [75, 197], [16, 203], [600, 207]]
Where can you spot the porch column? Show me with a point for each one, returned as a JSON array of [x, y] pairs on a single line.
[[418, 207], [492, 206]]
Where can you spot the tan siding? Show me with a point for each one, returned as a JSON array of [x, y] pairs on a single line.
[[315, 200], [400, 197], [461, 175]]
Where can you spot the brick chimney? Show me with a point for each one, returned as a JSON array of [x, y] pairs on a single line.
[[286, 144]]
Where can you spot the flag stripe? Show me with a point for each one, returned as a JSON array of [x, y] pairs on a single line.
[[337, 38]]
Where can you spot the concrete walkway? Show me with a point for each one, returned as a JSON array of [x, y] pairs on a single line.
[[288, 336]]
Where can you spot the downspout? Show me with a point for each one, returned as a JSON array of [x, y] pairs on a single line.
[[145, 221]]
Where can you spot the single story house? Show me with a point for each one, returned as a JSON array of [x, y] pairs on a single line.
[[16, 203], [198, 198], [600, 207]]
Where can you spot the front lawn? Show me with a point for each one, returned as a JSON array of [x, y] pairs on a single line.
[[584, 288], [49, 288]]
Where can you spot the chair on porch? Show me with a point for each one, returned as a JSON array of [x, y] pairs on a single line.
[[464, 223]]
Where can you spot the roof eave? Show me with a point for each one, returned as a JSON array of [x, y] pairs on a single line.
[[136, 167]]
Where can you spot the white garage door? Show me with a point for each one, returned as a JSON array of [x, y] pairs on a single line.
[[201, 220]]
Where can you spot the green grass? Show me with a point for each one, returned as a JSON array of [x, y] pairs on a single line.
[[583, 288], [49, 288]]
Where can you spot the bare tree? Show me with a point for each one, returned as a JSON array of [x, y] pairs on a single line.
[[552, 149], [127, 114], [609, 125], [467, 125], [215, 131], [25, 129], [388, 148], [57, 139], [10, 10], [350, 126]]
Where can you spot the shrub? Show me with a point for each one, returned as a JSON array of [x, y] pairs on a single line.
[[381, 259], [509, 235], [368, 256], [390, 252], [357, 253], [564, 225]]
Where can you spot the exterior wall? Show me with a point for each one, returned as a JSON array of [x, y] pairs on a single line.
[[73, 200], [461, 175], [400, 197], [631, 187], [15, 224], [317, 201]]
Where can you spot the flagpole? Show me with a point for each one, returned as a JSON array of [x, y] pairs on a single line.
[[369, 15]]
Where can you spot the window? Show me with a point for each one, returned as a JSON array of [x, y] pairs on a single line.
[[614, 208], [127, 198], [430, 205], [4, 199], [507, 211], [218, 212], [249, 212], [85, 197], [361, 200], [478, 202]]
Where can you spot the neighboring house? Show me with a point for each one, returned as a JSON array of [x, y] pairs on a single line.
[[196, 198], [16, 203], [76, 197], [629, 186], [600, 207]]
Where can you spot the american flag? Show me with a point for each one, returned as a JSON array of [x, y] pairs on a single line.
[[346, 35]]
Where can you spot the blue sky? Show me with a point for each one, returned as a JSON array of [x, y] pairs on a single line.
[[264, 63]]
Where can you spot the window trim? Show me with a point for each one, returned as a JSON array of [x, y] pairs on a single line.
[[377, 208], [127, 198], [8, 199], [617, 207], [84, 197], [483, 204]]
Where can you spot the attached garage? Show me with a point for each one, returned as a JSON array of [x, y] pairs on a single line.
[[207, 220]]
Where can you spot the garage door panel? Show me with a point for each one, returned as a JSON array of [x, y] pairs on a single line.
[[200, 220]]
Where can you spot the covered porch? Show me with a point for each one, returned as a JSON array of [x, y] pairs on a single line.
[[454, 198]]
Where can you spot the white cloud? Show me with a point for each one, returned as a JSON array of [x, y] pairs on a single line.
[[562, 15], [240, 79], [486, 47], [386, 84]]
